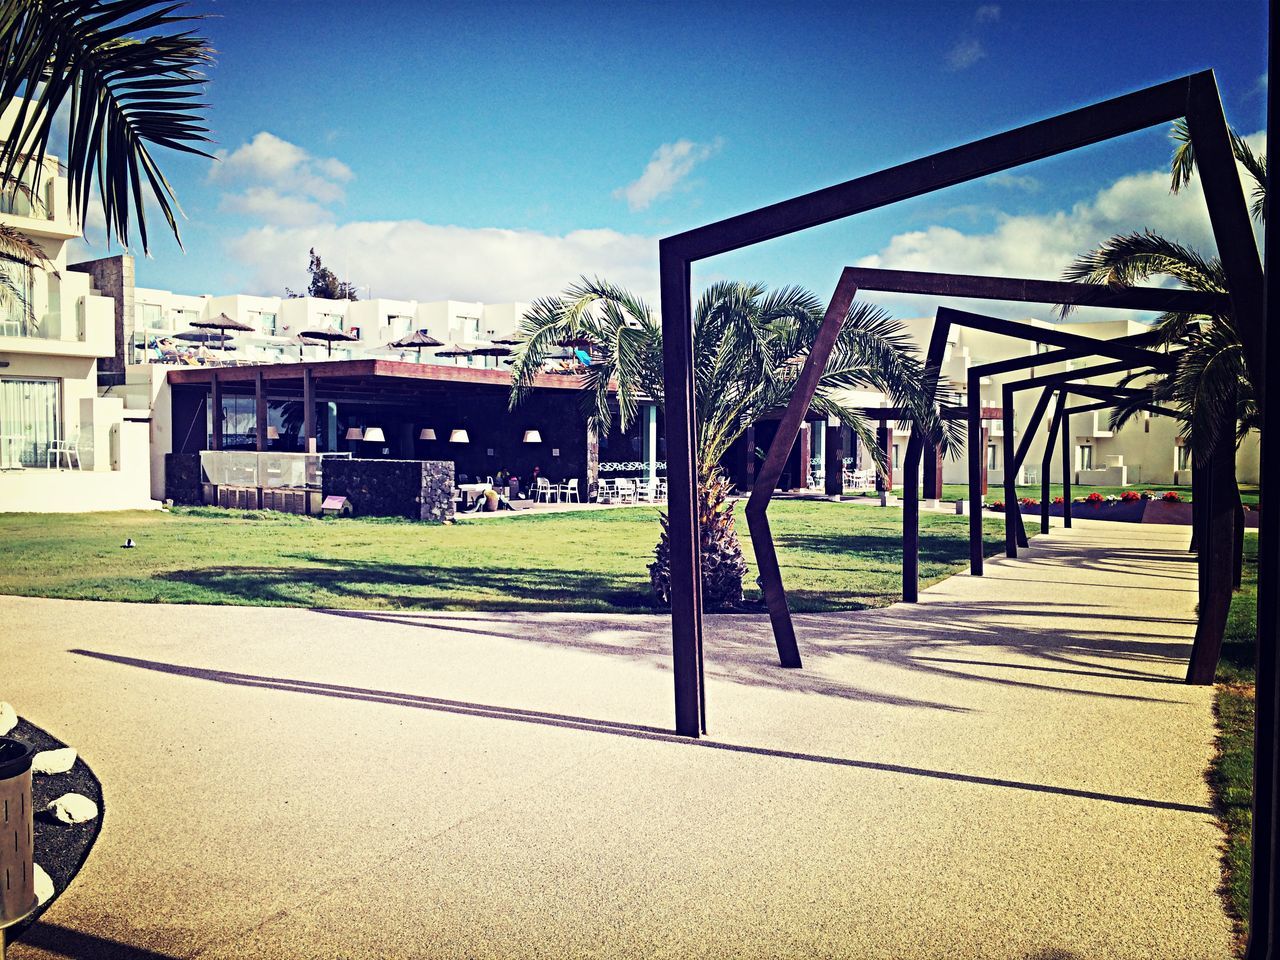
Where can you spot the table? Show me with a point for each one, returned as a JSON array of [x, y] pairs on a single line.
[[475, 489]]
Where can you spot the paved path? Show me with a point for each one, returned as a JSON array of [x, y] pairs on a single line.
[[1008, 769]]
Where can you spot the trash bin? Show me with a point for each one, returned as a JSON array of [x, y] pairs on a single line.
[[17, 841]]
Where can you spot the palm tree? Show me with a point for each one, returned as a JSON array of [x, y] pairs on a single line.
[[1211, 383], [129, 73], [749, 346]]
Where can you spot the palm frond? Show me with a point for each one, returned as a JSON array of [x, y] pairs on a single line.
[[131, 83]]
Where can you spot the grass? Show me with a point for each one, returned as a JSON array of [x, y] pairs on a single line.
[[834, 557], [960, 491], [1231, 773]]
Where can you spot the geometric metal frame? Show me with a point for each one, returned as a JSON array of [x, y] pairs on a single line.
[[1194, 98]]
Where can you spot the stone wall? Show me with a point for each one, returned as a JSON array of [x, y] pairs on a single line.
[[414, 489], [113, 277], [182, 478]]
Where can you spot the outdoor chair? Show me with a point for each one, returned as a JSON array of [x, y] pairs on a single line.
[[57, 449], [605, 491], [543, 491], [626, 490], [569, 491]]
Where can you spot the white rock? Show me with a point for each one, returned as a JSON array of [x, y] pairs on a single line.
[[8, 718], [54, 761], [44, 886], [73, 808]]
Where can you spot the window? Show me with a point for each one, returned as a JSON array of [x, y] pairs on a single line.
[[265, 322], [992, 457], [335, 320], [152, 316], [897, 456], [16, 316], [1084, 456], [1182, 457], [28, 420]]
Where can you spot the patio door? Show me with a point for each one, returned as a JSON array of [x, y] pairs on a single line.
[[28, 420]]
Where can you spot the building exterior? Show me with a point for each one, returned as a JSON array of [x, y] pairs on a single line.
[[1146, 452], [53, 334]]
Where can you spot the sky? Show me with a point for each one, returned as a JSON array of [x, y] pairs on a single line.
[[497, 151]]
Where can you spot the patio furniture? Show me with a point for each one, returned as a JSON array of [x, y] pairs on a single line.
[[543, 491], [626, 490], [606, 491], [69, 448], [469, 490], [569, 491], [10, 327]]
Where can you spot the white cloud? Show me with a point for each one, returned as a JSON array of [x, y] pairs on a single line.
[[671, 163], [1040, 246], [271, 206], [411, 259], [966, 52], [285, 180], [1018, 181], [987, 13]]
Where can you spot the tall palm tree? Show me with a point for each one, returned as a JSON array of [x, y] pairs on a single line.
[[129, 74], [749, 346], [1211, 383]]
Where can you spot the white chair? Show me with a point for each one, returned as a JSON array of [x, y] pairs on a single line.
[[57, 449], [660, 491], [626, 490], [569, 491], [606, 491], [543, 491]]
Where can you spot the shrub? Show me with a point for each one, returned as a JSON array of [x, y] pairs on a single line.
[[1148, 495], [1171, 496], [1095, 498], [1130, 496]]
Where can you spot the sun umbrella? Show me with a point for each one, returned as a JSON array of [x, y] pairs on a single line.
[[329, 335], [222, 322], [415, 341], [454, 350], [204, 336], [507, 341], [300, 341], [493, 350]]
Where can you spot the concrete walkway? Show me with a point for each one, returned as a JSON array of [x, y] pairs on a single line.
[[1008, 769]]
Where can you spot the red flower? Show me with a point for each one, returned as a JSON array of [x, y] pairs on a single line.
[[1130, 496], [1057, 501], [998, 505], [1095, 498], [1171, 496]]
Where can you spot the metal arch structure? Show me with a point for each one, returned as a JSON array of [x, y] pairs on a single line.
[[1194, 98], [1071, 346]]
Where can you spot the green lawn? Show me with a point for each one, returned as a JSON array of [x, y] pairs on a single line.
[[1231, 774], [960, 491], [834, 557]]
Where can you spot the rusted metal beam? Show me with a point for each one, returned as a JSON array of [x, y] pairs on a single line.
[[775, 461], [968, 286]]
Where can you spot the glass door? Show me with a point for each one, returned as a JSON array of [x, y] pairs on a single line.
[[28, 421]]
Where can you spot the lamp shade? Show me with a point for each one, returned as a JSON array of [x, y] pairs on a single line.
[[459, 436], [374, 435], [532, 436], [426, 434], [354, 433], [273, 433]]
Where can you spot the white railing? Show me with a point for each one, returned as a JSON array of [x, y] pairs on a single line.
[[250, 468]]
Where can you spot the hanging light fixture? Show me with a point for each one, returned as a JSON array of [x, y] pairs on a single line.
[[374, 435], [426, 434], [532, 436], [354, 433], [459, 436], [273, 433]]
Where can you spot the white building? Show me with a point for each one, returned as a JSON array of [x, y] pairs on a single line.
[[159, 319], [1146, 452], [52, 338]]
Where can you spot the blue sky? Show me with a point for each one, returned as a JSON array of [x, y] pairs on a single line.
[[497, 151]]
